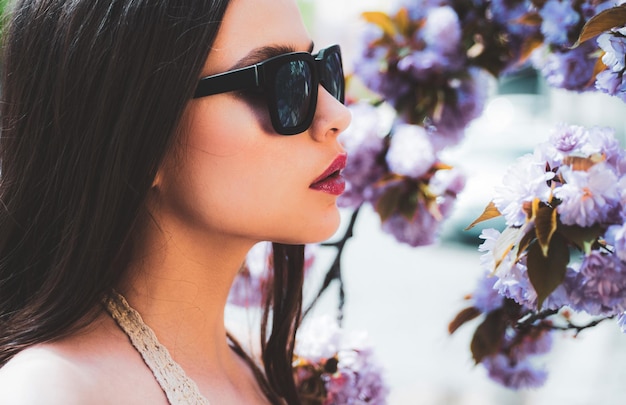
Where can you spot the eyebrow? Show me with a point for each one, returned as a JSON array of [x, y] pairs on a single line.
[[260, 54]]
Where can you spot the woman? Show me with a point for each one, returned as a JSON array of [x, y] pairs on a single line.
[[127, 182]]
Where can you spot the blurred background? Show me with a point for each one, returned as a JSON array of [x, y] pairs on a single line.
[[405, 297]]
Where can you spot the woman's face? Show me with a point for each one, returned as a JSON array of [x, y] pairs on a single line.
[[232, 175]]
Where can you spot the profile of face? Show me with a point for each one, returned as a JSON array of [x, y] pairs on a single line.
[[230, 174]]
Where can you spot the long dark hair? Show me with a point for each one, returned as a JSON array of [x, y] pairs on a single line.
[[92, 95]]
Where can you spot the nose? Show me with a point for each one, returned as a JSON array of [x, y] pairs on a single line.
[[331, 116]]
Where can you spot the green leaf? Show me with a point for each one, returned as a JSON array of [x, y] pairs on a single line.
[[489, 336], [382, 20], [602, 22], [546, 273], [545, 226], [462, 317], [490, 212]]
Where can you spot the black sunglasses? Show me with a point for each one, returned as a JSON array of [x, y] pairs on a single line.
[[290, 83]]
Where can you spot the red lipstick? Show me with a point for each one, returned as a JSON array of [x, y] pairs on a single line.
[[331, 181]]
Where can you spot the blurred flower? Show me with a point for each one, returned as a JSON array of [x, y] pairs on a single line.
[[485, 297], [559, 17], [600, 286], [364, 140], [410, 152], [335, 367], [569, 69], [514, 374]]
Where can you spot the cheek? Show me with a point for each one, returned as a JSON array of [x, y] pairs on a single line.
[[233, 177]]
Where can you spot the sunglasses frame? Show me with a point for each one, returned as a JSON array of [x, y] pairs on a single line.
[[262, 77]]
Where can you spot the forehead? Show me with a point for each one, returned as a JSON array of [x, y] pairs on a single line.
[[252, 24]]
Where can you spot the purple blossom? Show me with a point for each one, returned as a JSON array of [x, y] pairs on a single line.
[[421, 230], [507, 13], [418, 9], [514, 374], [485, 297], [611, 83], [523, 182], [587, 197], [570, 69], [365, 144], [559, 18], [567, 138], [447, 182], [599, 287], [614, 47], [616, 236], [602, 141], [410, 152], [465, 102], [358, 378], [442, 30], [532, 344]]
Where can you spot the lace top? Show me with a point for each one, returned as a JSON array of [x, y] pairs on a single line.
[[179, 389]]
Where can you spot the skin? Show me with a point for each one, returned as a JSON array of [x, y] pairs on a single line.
[[229, 182]]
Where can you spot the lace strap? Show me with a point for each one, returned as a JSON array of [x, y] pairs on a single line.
[[179, 389]]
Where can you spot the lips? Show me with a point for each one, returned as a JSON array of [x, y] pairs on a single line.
[[331, 181]]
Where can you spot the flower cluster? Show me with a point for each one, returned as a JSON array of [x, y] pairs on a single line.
[[334, 367], [612, 42], [416, 60], [395, 167], [564, 245], [561, 22], [430, 61]]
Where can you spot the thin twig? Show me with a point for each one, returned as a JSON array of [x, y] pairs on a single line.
[[334, 272]]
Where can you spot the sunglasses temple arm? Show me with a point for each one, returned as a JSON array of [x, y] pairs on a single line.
[[240, 79]]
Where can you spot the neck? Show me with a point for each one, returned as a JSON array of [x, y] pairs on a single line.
[[179, 283]]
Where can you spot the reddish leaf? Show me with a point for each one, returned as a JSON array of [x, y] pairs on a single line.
[[602, 22], [583, 164], [532, 19], [462, 317], [525, 242], [581, 237], [407, 204], [388, 202], [529, 45], [546, 273], [490, 212], [545, 226], [489, 335], [403, 21]]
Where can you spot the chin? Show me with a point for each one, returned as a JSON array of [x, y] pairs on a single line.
[[313, 231]]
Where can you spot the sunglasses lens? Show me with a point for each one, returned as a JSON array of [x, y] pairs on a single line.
[[293, 89], [333, 76]]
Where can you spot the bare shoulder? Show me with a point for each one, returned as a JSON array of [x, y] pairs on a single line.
[[39, 375], [97, 367]]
